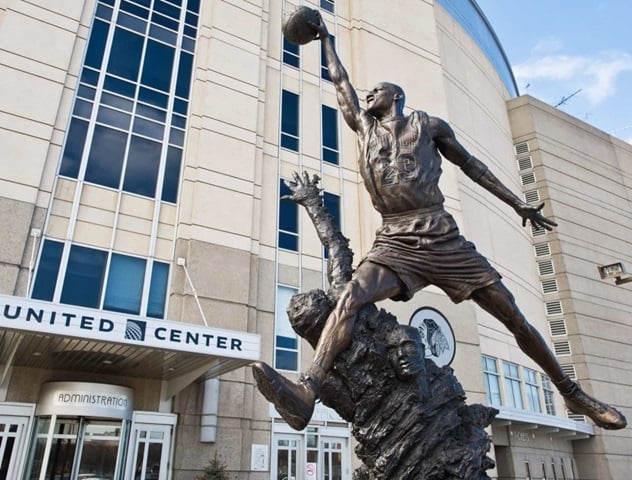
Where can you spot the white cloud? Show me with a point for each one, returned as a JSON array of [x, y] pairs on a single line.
[[595, 75]]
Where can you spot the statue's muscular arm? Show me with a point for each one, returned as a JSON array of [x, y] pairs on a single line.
[[354, 115], [452, 150]]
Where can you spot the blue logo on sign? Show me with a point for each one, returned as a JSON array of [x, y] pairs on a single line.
[[135, 330]]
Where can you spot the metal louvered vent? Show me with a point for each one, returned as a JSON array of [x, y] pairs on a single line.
[[542, 249], [553, 307], [545, 267], [537, 231], [558, 327], [569, 369], [562, 349], [532, 196], [549, 286], [527, 178], [525, 163], [521, 148], [575, 416]]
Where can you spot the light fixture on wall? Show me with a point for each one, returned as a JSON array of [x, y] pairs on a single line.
[[616, 271]]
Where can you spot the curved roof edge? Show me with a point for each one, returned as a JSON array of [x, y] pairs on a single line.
[[470, 16]]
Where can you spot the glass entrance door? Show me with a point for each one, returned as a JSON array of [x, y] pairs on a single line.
[[310, 456], [150, 446], [288, 456], [12, 438], [76, 448], [332, 458]]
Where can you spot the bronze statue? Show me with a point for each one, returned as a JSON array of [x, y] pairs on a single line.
[[419, 242]]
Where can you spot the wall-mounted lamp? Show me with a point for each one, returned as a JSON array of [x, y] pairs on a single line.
[[616, 271]]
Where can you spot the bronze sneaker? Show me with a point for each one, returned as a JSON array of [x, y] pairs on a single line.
[[602, 414], [294, 401]]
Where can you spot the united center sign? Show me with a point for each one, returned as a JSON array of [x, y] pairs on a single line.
[[23, 314]]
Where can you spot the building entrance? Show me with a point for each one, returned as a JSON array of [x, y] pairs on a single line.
[[76, 448], [310, 455]]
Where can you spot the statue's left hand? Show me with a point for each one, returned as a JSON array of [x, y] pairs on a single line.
[[305, 191], [533, 214]]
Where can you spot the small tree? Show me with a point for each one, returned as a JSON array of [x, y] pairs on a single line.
[[215, 470]]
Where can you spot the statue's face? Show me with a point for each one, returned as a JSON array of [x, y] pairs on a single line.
[[407, 360], [381, 98]]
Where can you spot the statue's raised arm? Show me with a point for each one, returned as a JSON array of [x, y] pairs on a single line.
[[347, 97]]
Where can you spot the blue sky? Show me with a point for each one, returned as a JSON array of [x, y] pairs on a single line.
[[557, 47]]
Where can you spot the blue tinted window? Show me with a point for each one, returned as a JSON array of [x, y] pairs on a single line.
[[104, 12], [134, 9], [124, 289], [148, 128], [154, 98], [113, 117], [75, 141], [184, 75], [180, 106], [133, 23], [289, 120], [164, 21], [106, 157], [286, 342], [96, 45], [158, 66], [288, 221], [330, 134], [119, 86], [116, 101], [286, 360], [327, 5], [169, 10], [191, 19], [332, 204], [125, 54], [151, 112], [163, 34], [89, 76], [291, 53], [46, 279], [84, 277], [193, 5], [158, 290], [141, 170], [172, 175]]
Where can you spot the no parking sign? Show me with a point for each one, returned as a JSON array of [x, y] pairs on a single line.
[[310, 470]]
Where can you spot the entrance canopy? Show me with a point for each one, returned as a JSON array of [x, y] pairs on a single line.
[[39, 334]]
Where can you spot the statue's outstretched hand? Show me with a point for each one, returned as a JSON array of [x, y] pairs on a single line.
[[305, 191], [533, 215], [320, 28]]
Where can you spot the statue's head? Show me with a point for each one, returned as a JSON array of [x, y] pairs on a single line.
[[386, 99], [406, 352]]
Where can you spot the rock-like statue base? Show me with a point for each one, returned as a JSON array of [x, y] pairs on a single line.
[[408, 415]]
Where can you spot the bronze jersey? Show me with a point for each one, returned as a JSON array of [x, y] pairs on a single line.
[[400, 165]]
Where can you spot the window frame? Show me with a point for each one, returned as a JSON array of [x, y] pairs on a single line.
[[283, 329]]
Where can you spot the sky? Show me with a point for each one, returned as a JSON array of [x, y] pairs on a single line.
[[573, 54]]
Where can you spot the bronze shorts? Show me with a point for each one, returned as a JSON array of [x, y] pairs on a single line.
[[424, 247]]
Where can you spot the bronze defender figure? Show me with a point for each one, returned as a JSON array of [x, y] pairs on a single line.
[[418, 244]]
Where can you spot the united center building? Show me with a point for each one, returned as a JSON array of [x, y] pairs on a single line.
[[146, 257]]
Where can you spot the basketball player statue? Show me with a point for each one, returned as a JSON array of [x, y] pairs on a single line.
[[418, 244]]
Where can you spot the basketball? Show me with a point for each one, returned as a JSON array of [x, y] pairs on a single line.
[[296, 26]]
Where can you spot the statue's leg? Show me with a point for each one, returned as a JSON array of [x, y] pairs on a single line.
[[295, 401], [371, 282], [498, 301]]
